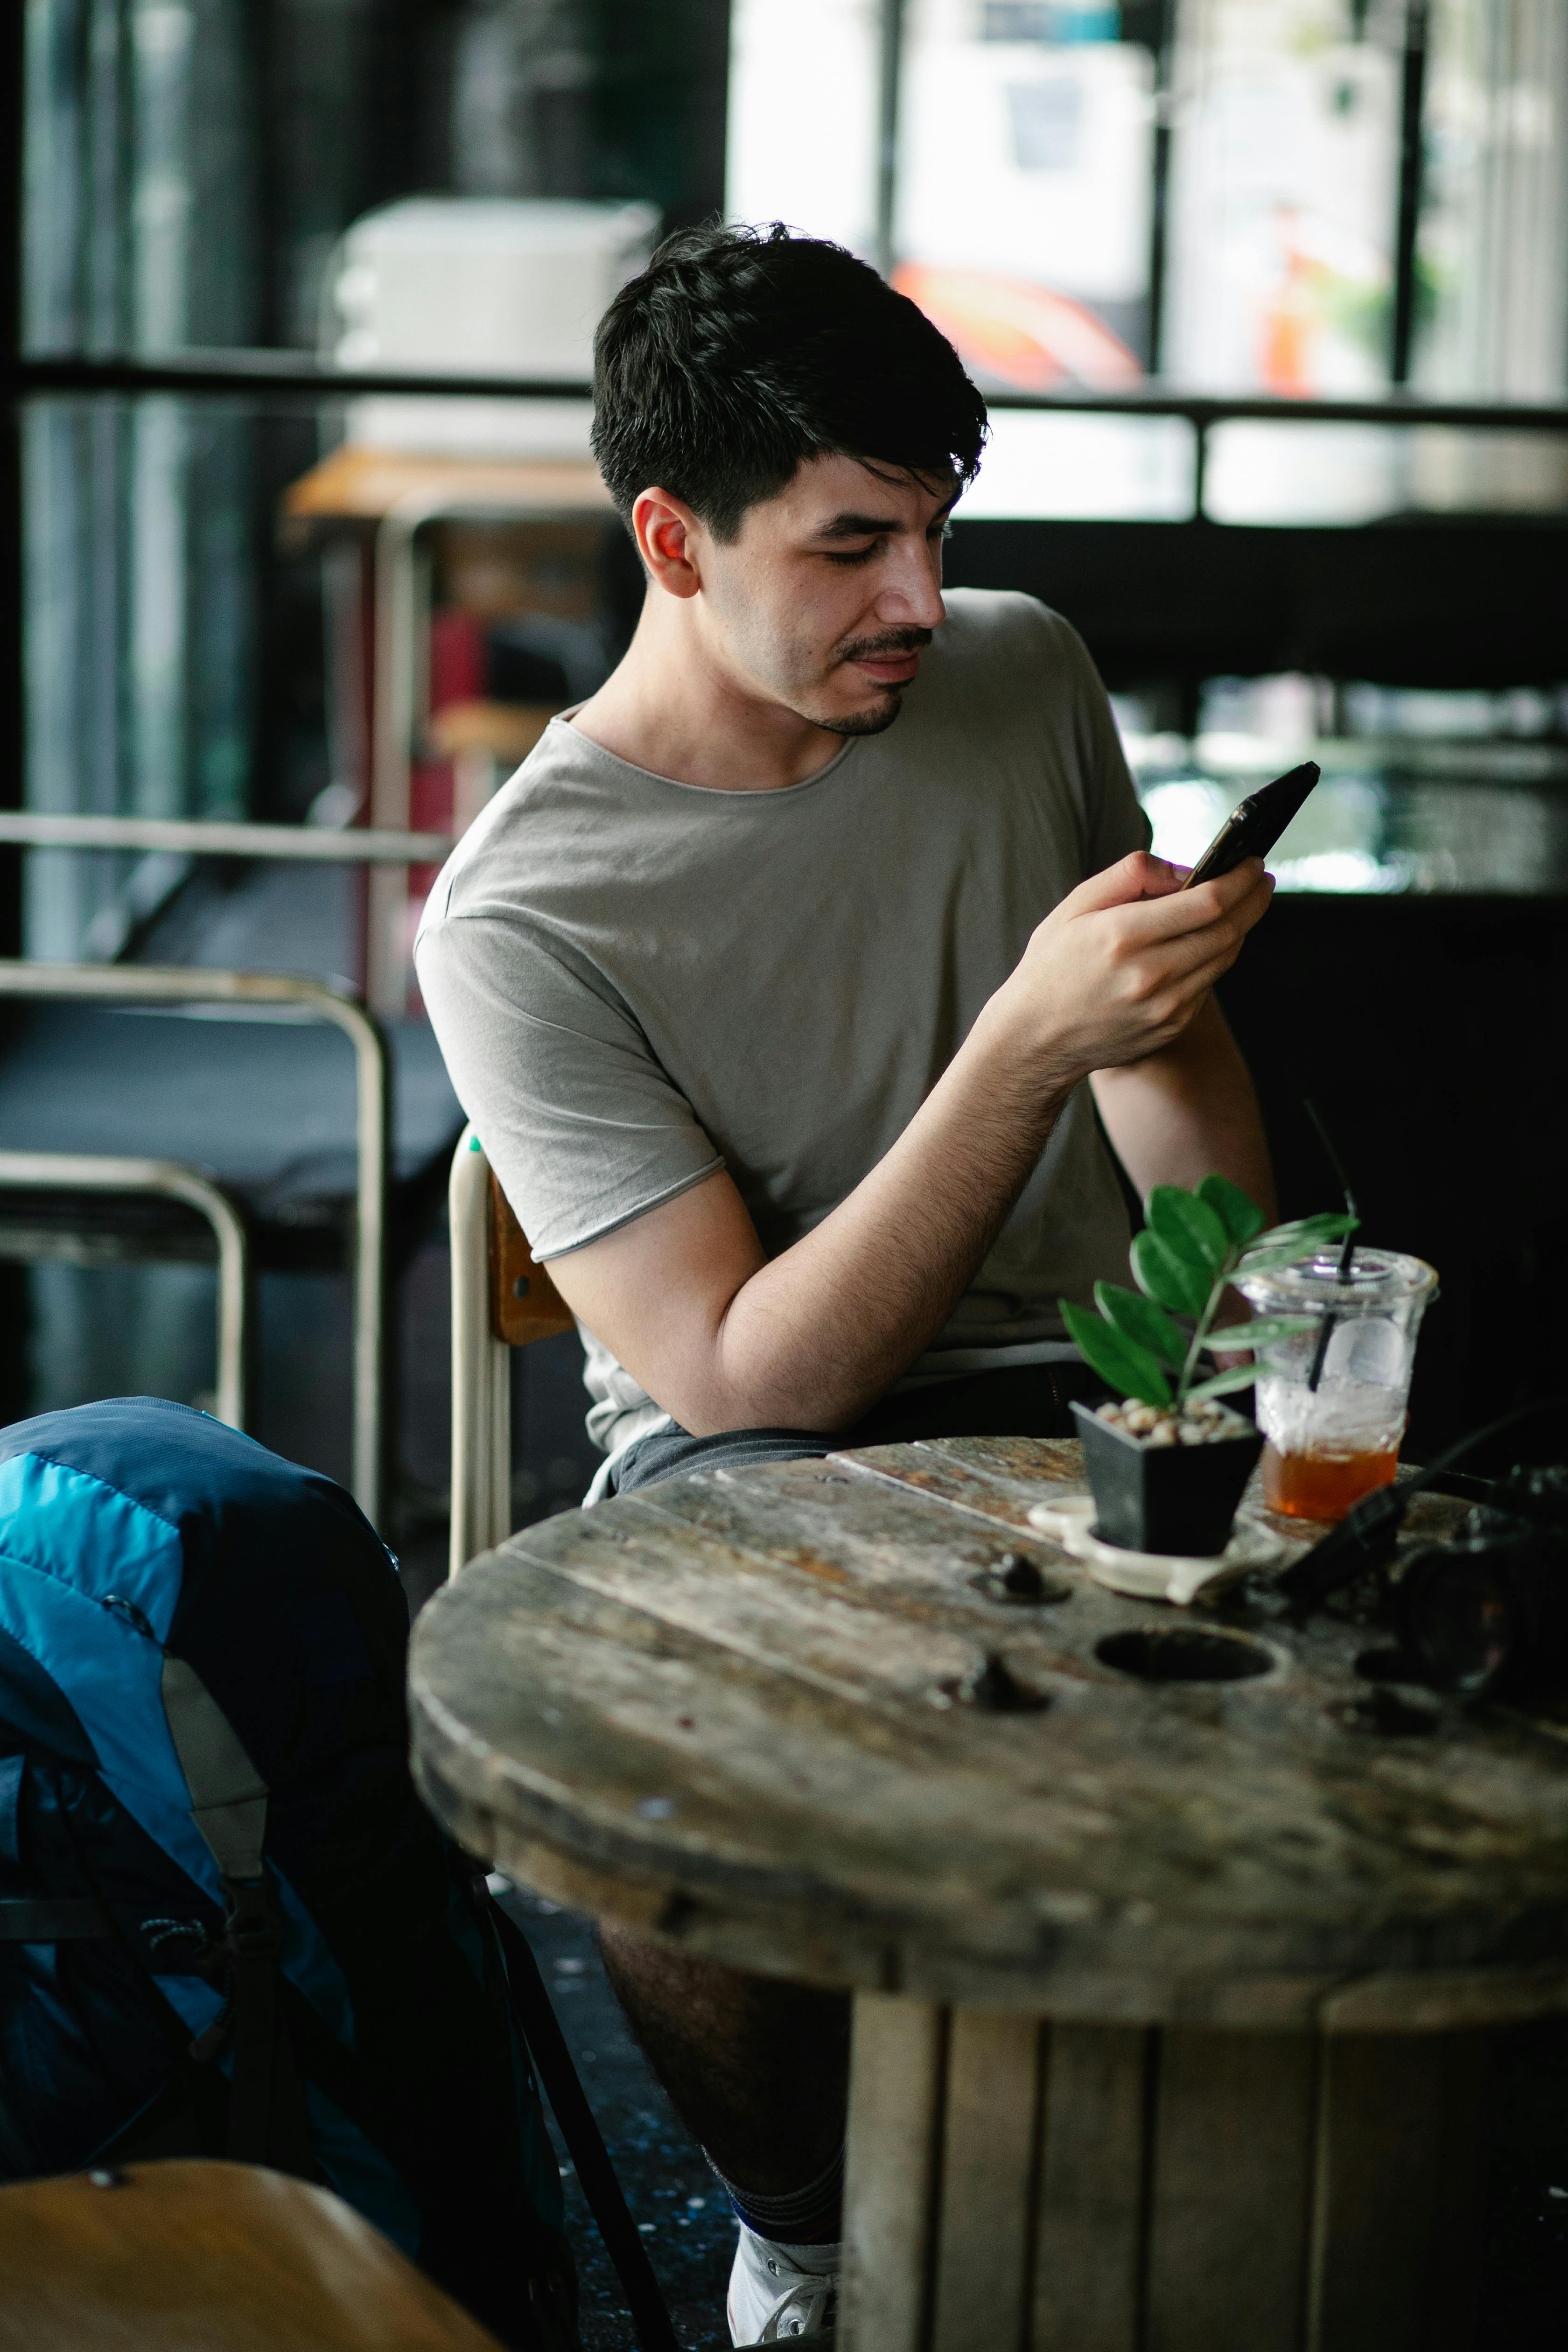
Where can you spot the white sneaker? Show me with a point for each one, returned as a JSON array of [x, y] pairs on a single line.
[[777, 2292]]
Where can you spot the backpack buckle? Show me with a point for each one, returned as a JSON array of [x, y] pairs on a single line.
[[253, 1930]]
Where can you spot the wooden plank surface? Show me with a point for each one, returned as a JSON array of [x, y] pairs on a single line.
[[1400, 2148], [1089, 2238], [897, 2075], [1232, 2183], [984, 2224], [739, 1709]]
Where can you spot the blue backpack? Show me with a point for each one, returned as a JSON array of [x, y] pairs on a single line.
[[228, 1926]]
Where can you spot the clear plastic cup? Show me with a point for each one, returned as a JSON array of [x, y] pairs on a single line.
[[1330, 1445]]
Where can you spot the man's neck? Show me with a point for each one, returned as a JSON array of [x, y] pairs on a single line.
[[670, 707]]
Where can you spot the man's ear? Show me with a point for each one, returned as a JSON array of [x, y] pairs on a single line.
[[668, 537]]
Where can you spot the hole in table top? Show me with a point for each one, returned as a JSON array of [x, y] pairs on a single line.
[[1017, 1581], [992, 1687], [1183, 1654]]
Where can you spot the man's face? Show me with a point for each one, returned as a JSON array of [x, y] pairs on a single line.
[[830, 592]]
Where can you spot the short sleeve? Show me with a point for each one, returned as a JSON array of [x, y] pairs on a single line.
[[581, 1124]]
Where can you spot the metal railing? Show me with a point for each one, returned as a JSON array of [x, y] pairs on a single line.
[[308, 844], [295, 377]]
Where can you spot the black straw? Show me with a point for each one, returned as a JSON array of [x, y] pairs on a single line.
[[1347, 1254]]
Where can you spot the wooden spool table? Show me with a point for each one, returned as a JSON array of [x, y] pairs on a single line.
[[1171, 1996]]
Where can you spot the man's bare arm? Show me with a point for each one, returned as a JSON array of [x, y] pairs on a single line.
[[724, 1338], [1186, 1110]]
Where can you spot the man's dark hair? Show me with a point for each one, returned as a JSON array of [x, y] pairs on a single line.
[[740, 352]]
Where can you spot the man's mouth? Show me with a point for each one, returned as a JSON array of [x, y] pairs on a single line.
[[888, 665], [891, 669]]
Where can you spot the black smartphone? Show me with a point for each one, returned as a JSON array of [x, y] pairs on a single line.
[[1252, 829]]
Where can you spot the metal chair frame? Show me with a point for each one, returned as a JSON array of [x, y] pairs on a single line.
[[182, 984], [131, 983], [78, 1172]]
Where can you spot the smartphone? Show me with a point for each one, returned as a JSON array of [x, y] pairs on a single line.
[[1252, 829]]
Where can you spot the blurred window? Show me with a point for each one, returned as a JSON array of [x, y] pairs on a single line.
[[1084, 469], [1492, 262], [803, 122], [440, 186], [1296, 198], [1263, 472], [1024, 209], [1285, 195]]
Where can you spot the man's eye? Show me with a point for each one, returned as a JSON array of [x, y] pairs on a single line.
[[861, 555]]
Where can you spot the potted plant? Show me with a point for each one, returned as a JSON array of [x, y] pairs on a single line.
[[1167, 1465]]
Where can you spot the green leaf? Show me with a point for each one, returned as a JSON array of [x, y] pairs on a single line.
[[1130, 1369], [1168, 1280], [1241, 1217], [1241, 1376], [1188, 1226], [1261, 1334], [1138, 1319]]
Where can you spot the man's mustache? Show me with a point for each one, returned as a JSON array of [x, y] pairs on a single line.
[[892, 641]]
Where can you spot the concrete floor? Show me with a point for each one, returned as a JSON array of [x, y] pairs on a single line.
[[675, 2201]]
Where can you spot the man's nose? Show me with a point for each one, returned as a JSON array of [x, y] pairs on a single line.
[[911, 592]]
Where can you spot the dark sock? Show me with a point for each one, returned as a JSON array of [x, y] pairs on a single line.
[[808, 2216]]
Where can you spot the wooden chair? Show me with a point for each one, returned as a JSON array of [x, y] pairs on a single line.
[[502, 1299], [194, 2256]]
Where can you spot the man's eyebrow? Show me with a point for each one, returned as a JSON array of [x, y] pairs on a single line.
[[850, 525]]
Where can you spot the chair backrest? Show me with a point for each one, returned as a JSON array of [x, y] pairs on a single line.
[[183, 2256], [526, 1304], [500, 1301]]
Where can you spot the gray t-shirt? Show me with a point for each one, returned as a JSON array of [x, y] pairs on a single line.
[[636, 982]]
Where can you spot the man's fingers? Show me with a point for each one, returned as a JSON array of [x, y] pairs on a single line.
[[1136, 876], [1154, 929], [1213, 947], [1172, 915]]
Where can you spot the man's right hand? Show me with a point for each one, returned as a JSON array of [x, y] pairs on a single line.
[[1119, 969]]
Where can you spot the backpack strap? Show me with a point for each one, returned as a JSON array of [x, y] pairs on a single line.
[[228, 1805], [228, 1795]]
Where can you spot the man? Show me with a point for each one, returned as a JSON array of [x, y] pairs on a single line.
[[787, 1033]]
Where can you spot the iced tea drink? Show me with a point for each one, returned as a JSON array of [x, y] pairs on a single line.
[[1324, 1485], [1327, 1446]]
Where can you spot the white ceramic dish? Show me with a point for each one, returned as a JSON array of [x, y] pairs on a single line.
[[1157, 1576]]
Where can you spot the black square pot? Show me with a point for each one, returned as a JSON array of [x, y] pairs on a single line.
[[1164, 1498]]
